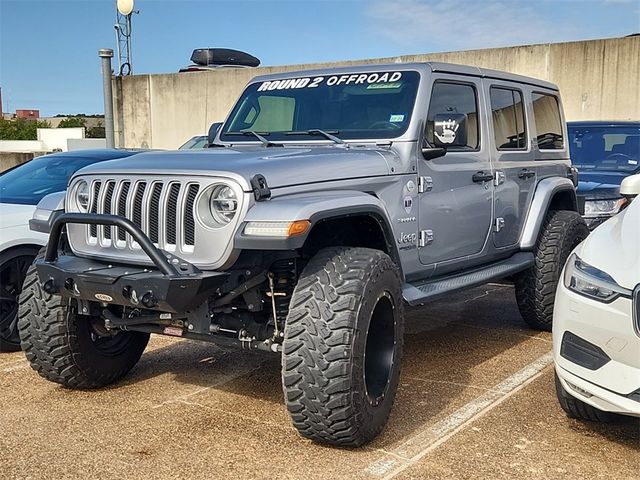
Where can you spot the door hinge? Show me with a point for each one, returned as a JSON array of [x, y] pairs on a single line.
[[425, 184], [499, 178], [499, 225], [425, 238]]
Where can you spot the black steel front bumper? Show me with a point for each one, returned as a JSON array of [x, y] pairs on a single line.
[[173, 286]]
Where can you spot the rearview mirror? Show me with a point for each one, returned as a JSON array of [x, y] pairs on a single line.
[[213, 132], [450, 130]]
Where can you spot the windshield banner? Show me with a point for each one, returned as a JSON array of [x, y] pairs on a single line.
[[381, 78]]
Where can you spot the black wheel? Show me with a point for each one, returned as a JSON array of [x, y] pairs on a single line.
[[343, 345], [561, 232], [579, 410], [73, 350], [13, 269]]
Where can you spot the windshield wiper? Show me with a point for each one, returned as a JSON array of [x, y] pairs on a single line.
[[265, 142], [317, 131]]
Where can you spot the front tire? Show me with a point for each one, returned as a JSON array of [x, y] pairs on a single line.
[[67, 348], [561, 232], [343, 345]]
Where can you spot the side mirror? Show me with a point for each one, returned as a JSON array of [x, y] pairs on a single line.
[[630, 186], [429, 153], [450, 130], [213, 132]]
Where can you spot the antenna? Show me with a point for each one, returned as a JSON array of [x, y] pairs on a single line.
[[124, 10]]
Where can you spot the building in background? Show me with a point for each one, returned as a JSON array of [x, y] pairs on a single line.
[[28, 114]]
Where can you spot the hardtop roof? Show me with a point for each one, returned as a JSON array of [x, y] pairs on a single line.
[[419, 66]]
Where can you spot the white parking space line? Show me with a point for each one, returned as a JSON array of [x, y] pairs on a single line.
[[414, 448]]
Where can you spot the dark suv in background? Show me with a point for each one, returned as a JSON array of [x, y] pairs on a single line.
[[604, 153]]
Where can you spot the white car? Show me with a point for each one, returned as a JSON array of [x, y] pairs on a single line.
[[21, 189], [596, 323]]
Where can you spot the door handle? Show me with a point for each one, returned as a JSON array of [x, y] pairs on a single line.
[[481, 177], [526, 173]]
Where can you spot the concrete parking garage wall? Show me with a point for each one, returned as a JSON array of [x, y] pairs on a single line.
[[598, 79]]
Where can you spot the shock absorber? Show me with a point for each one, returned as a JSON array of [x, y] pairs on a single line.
[[282, 276]]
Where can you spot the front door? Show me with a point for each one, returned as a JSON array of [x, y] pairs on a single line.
[[455, 204]]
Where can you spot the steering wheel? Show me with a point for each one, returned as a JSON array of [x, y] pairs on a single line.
[[385, 125], [618, 157]]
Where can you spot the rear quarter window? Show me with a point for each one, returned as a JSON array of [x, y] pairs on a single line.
[[546, 116]]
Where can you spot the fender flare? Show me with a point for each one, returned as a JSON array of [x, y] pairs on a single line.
[[315, 207], [545, 191]]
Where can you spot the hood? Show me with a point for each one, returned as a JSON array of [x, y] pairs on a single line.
[[281, 166], [614, 248], [14, 215], [595, 184]]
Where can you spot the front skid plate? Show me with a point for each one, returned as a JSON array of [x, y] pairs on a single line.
[[85, 279]]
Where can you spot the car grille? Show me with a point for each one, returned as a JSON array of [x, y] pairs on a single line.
[[163, 210]]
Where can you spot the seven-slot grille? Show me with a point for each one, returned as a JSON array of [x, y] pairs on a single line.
[[164, 210]]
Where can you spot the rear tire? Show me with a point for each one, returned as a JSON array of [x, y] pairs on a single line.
[[64, 347], [561, 232], [343, 345], [579, 410]]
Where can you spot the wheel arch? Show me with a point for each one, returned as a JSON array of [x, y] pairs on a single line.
[[357, 218], [555, 193], [16, 250]]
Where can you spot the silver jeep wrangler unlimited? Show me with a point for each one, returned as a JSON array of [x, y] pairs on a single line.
[[326, 201]]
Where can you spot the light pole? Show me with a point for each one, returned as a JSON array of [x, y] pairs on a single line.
[[106, 54]]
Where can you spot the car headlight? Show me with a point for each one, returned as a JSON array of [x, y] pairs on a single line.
[[82, 196], [603, 208], [586, 280], [223, 204]]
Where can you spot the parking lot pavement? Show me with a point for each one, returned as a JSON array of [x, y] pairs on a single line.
[[476, 400]]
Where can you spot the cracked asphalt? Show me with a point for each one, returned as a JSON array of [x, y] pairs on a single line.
[[476, 400]]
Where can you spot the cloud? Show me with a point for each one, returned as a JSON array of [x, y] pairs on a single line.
[[466, 24]]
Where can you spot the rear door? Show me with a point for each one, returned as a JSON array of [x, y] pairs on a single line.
[[511, 150], [455, 210]]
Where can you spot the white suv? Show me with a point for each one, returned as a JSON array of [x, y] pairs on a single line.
[[596, 324]]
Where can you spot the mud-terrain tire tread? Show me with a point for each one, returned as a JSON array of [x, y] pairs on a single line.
[[319, 343], [579, 410], [535, 288], [49, 339]]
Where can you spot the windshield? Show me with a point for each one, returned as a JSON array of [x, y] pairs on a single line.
[[612, 148], [29, 183], [351, 106]]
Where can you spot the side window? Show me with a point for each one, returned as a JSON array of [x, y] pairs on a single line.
[[455, 98], [508, 119], [546, 114]]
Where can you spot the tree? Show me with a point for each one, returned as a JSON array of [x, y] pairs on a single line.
[[21, 128], [96, 131], [72, 122]]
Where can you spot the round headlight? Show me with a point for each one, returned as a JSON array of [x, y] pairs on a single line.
[[82, 196], [223, 204]]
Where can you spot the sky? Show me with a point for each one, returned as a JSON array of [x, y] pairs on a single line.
[[48, 48]]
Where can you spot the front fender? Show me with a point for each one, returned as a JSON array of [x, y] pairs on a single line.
[[315, 207], [50, 207]]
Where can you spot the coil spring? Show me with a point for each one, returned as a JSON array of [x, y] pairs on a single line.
[[285, 274]]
